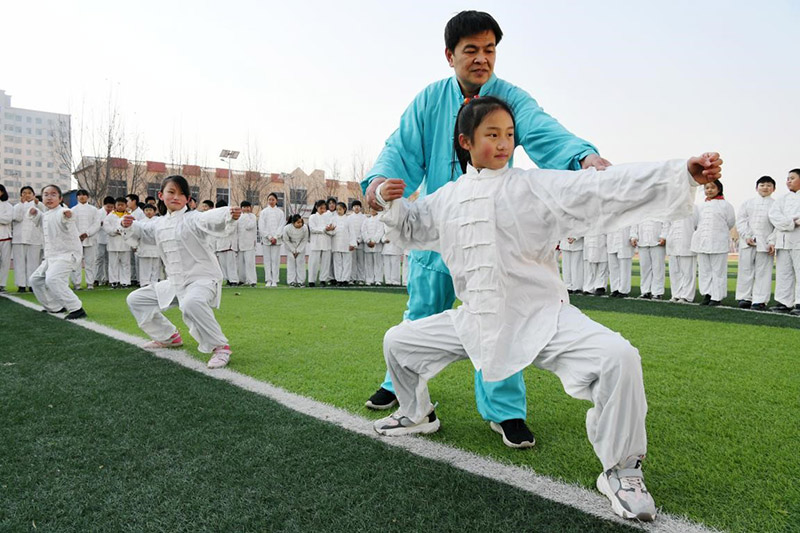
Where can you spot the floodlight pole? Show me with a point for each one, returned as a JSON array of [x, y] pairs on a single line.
[[229, 154]]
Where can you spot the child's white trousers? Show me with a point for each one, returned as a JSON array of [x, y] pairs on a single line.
[[149, 270], [89, 267], [712, 275], [227, 263], [119, 267], [50, 284], [272, 264], [652, 266], [374, 266], [594, 276], [619, 273], [391, 269], [319, 262], [787, 277], [27, 258], [342, 265], [572, 269], [295, 268], [754, 277], [247, 266], [682, 269]]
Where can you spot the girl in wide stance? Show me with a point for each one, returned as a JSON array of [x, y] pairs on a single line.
[[515, 309], [194, 277]]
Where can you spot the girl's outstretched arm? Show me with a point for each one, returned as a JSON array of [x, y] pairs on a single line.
[[409, 225]]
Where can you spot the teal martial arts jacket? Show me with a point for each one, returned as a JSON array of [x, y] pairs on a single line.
[[420, 151]]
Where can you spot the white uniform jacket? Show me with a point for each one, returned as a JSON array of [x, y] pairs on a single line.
[[342, 238], [502, 258], [228, 240], [270, 225], [576, 246], [752, 222], [389, 246], [320, 239], [783, 214], [595, 249], [679, 237], [649, 232], [712, 235], [619, 242], [183, 244], [295, 239], [355, 221], [87, 219], [372, 230], [246, 228], [61, 240], [112, 227], [27, 228], [6, 218]]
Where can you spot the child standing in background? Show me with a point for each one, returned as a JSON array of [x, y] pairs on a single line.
[[710, 243], [6, 219], [102, 242], [572, 263], [295, 237], [372, 235], [119, 252], [147, 254], [785, 216], [246, 227], [391, 262], [226, 247], [756, 248], [682, 261], [595, 265], [355, 221], [343, 243], [27, 239], [319, 246], [650, 237], [87, 219], [270, 225], [620, 257]]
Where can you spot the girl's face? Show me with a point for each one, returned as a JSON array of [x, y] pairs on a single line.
[[340, 210], [793, 181], [272, 201], [356, 209], [50, 197], [322, 209], [173, 197], [711, 190], [298, 223], [492, 142], [765, 189], [26, 196], [331, 206]]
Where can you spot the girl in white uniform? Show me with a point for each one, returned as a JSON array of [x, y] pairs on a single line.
[[572, 263], [226, 247], [620, 257], [119, 251], [295, 238], [102, 242], [355, 221], [87, 220], [756, 248], [247, 234], [319, 246], [682, 260], [515, 308], [27, 238], [147, 254], [194, 278], [6, 218], [343, 243], [62, 252], [391, 262], [271, 221], [372, 235], [785, 216], [650, 237], [711, 243], [595, 264]]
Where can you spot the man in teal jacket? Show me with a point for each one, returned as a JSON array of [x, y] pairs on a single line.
[[420, 152]]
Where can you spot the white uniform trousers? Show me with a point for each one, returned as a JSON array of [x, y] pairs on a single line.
[[652, 265], [119, 267], [592, 362], [572, 269], [319, 262], [247, 266], [787, 277], [27, 258], [594, 276], [227, 263], [5, 261], [619, 273], [295, 268], [405, 270], [89, 267], [149, 270], [374, 267], [754, 277], [342, 265], [134, 266], [358, 271], [682, 269], [712, 277], [272, 264], [391, 269], [50, 284], [101, 264], [196, 307]]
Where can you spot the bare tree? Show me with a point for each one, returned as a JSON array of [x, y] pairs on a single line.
[[102, 138], [253, 185], [138, 175]]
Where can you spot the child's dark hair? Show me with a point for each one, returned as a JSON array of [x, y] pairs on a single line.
[[719, 186], [147, 200], [469, 118], [245, 203], [342, 205], [221, 203], [179, 182], [149, 206], [319, 203], [273, 195], [209, 203], [355, 203], [3, 196], [795, 171], [135, 197], [118, 200], [294, 218], [108, 200], [26, 188], [81, 192], [469, 23], [765, 179]]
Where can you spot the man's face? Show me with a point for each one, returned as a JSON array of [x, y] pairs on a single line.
[[473, 60], [132, 204]]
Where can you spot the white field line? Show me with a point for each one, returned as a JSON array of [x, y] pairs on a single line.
[[587, 501]]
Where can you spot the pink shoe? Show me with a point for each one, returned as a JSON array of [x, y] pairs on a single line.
[[221, 357], [173, 342]]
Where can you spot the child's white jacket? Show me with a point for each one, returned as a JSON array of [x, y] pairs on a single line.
[[372, 230], [6, 218], [295, 239], [713, 233], [320, 239], [595, 249], [752, 222], [246, 232], [184, 245], [27, 228], [619, 242], [783, 214], [113, 228], [502, 258], [576, 246], [342, 238], [679, 237], [355, 221], [649, 232], [270, 225], [87, 219], [61, 237]]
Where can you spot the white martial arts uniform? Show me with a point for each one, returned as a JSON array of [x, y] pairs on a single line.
[[319, 248], [62, 251], [358, 271], [6, 218], [595, 262], [572, 263], [785, 216], [682, 261], [226, 247], [271, 221], [87, 220], [137, 214], [754, 276], [148, 259], [194, 278], [372, 233], [515, 308], [26, 242], [102, 250], [652, 257], [391, 262], [119, 251], [620, 257], [295, 240], [711, 242], [405, 267], [247, 230], [341, 241]]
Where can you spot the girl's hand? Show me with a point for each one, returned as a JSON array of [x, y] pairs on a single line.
[[127, 221], [67, 213], [705, 168], [392, 189], [236, 212], [771, 249], [33, 211], [273, 241]]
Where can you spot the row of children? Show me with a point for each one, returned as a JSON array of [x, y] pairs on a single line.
[[699, 244]]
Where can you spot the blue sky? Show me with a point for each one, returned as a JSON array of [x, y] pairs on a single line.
[[313, 83]]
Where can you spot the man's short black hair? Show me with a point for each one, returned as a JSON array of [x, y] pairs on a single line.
[[765, 179], [82, 192], [108, 200], [245, 203], [469, 23], [209, 203], [134, 197]]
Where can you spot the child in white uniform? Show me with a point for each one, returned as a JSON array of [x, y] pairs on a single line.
[[343, 243], [62, 252], [391, 261], [372, 235], [756, 248], [515, 308], [87, 219], [620, 257], [147, 254], [319, 245], [785, 216], [27, 238], [271, 221], [572, 263], [6, 219], [682, 260], [226, 247], [711, 243], [194, 279], [295, 238], [355, 221], [651, 238], [119, 251], [595, 264], [247, 230], [102, 242]]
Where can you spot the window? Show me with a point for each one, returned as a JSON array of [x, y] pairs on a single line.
[[117, 188], [49, 164], [8, 161], [27, 163], [38, 174], [252, 197], [281, 198], [222, 194], [152, 188], [39, 164], [194, 190], [38, 131], [298, 196], [38, 121], [28, 120]]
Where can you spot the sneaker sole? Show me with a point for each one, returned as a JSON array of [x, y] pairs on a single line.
[[497, 428], [380, 407], [162, 346], [605, 490], [419, 429]]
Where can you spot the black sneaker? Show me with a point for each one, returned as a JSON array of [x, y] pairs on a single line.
[[713, 303], [758, 307], [515, 433], [645, 296], [780, 308], [795, 311], [744, 304], [312, 284], [79, 313], [381, 400], [656, 297], [706, 299], [62, 310], [615, 294], [22, 289], [599, 292]]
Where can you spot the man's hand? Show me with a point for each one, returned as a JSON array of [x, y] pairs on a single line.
[[236, 212], [595, 161], [373, 186], [393, 189], [705, 168], [127, 221]]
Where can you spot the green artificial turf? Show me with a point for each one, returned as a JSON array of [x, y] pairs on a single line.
[[722, 394], [98, 435]]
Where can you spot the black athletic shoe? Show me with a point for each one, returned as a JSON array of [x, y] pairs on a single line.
[[744, 304], [22, 289], [599, 292], [312, 284], [381, 400], [706, 299], [780, 308], [795, 311], [622, 295], [656, 297], [713, 303], [515, 433], [615, 294], [645, 296], [80, 313], [62, 310], [758, 307]]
